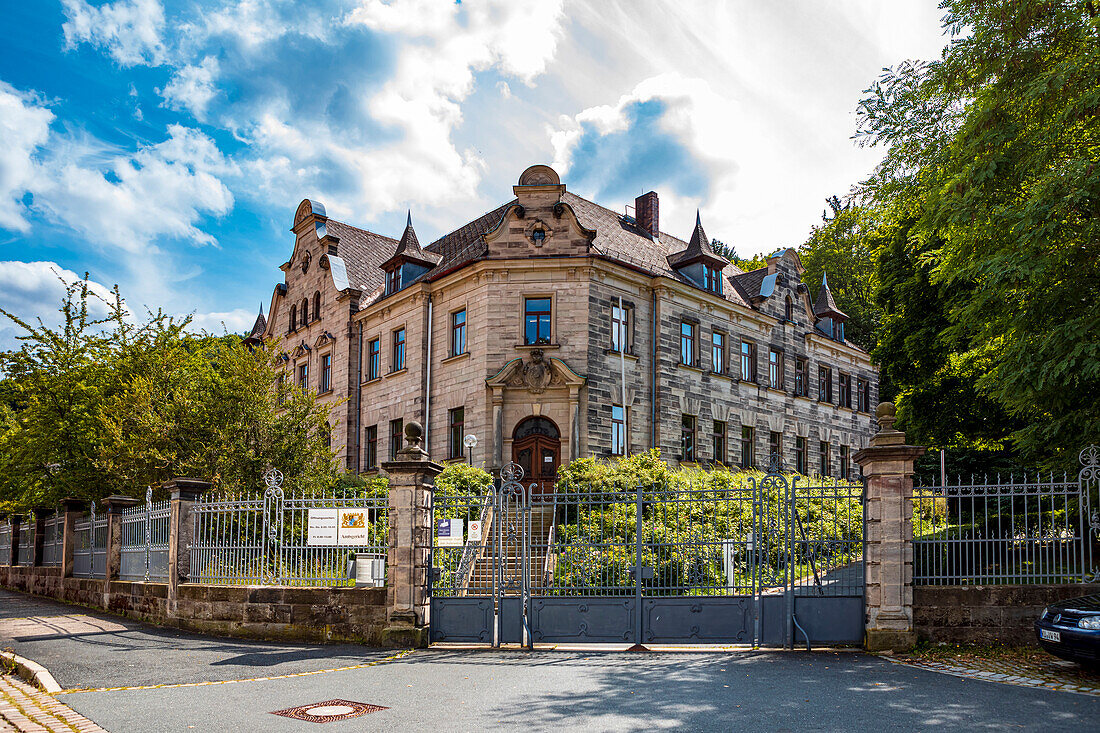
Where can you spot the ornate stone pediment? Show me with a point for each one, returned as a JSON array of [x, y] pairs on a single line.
[[536, 374]]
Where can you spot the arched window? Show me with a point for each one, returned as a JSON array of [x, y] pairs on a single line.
[[293, 319], [536, 426], [789, 314], [305, 311], [317, 306]]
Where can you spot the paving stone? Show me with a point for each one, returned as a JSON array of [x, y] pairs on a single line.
[[28, 710]]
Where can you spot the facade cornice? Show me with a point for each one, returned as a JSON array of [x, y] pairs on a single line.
[[838, 348]]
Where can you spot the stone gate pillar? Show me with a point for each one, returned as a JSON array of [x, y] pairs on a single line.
[[73, 510], [408, 561], [888, 557], [183, 493]]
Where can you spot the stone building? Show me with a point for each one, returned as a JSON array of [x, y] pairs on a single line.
[[553, 328]]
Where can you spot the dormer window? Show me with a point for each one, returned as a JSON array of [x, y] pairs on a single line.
[[712, 279], [393, 280]]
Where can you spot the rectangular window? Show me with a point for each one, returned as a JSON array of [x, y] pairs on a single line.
[[775, 369], [455, 417], [845, 460], [845, 385], [718, 352], [374, 359], [397, 429], [398, 350], [303, 375], [824, 384], [370, 458], [863, 395], [687, 438], [800, 455], [393, 280], [824, 458], [536, 321], [618, 431], [687, 343], [748, 361], [458, 332], [712, 279], [718, 442], [748, 437], [800, 387], [620, 327], [326, 373], [775, 448]]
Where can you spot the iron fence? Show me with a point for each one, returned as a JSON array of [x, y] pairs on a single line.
[[144, 547], [305, 538], [5, 542], [90, 546], [53, 539], [26, 540], [1005, 531]]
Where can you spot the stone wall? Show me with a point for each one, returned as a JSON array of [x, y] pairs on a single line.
[[314, 615], [985, 614]]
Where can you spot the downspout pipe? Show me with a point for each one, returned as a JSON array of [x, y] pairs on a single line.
[[428, 379], [653, 367], [359, 404]]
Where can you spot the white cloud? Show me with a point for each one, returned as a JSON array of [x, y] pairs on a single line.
[[32, 291], [192, 88], [24, 127], [161, 191], [129, 30], [239, 320]]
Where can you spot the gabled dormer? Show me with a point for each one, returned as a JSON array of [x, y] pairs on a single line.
[[409, 261], [698, 262], [830, 319]]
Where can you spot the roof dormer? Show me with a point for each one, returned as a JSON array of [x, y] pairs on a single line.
[[830, 319], [408, 262], [698, 262]]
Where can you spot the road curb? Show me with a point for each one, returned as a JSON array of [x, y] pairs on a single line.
[[32, 672]]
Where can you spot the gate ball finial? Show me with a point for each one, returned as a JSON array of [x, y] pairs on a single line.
[[886, 414], [414, 433]]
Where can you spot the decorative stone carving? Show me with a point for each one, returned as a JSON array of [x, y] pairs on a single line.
[[536, 373]]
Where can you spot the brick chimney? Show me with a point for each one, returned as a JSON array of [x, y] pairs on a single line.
[[645, 213]]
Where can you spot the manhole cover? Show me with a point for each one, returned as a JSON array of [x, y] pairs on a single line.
[[329, 710]]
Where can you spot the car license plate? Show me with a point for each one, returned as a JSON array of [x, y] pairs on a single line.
[[1050, 635]]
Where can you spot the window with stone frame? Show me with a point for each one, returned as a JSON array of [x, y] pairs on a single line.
[[775, 369], [863, 395], [618, 430], [718, 442], [458, 332], [800, 455], [845, 390], [718, 352], [370, 455], [825, 384], [536, 321], [303, 375], [397, 431], [801, 388], [622, 322], [455, 423], [292, 325], [748, 448], [845, 462], [748, 361], [374, 359], [398, 350], [687, 438], [317, 305], [775, 448], [824, 450], [788, 310], [688, 332], [326, 373]]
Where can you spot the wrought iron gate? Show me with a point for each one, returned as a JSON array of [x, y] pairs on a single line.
[[771, 561]]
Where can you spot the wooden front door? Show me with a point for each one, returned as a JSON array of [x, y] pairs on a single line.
[[538, 456]]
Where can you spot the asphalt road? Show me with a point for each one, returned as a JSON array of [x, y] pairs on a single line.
[[543, 690]]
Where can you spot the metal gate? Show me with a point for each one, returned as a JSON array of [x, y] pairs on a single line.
[[722, 559]]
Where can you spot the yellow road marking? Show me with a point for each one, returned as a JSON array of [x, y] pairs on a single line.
[[391, 658]]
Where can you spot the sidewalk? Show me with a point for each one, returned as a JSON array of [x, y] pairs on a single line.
[[27, 710]]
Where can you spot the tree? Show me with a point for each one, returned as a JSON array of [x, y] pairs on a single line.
[[843, 247], [103, 405], [998, 145], [727, 251]]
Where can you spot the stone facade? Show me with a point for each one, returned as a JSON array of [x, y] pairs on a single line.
[[360, 289]]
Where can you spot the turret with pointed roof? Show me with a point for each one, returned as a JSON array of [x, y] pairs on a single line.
[[825, 306], [409, 250], [255, 337], [697, 250]]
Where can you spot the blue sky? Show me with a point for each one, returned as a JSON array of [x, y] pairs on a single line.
[[164, 146]]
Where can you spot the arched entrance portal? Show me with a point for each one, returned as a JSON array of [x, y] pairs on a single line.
[[536, 447]]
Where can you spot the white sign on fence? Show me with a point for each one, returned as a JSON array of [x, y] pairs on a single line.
[[321, 527], [448, 533], [473, 531], [353, 527]]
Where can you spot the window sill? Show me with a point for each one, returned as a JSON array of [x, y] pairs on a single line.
[[325, 393], [454, 460], [749, 382], [372, 381], [455, 357], [528, 347], [776, 391], [394, 374], [690, 368], [615, 352]]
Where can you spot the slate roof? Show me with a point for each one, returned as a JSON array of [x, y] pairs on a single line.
[[698, 248], [258, 328], [825, 305], [363, 253], [408, 249]]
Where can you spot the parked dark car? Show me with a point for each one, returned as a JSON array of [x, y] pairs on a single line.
[[1071, 629]]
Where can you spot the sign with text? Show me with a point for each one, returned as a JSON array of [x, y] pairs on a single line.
[[473, 531], [448, 533], [353, 527], [321, 527]]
